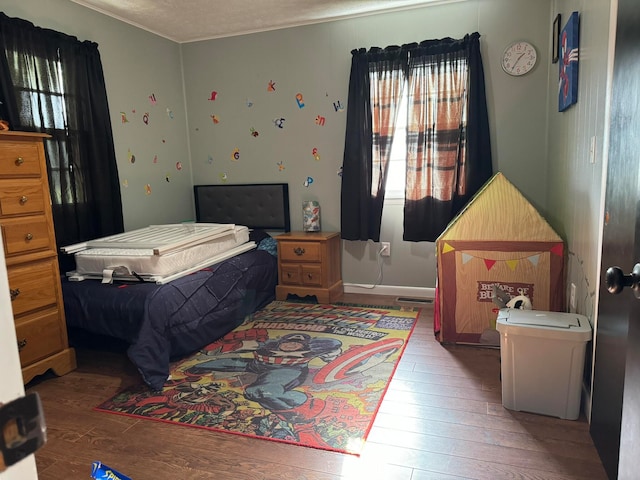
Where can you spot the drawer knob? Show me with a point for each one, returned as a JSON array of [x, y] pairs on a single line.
[[19, 161], [23, 199], [22, 343], [28, 237], [298, 251], [13, 293]]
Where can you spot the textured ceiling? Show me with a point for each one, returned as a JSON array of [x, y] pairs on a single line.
[[193, 20]]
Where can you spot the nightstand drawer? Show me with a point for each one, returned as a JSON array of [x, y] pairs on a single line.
[[26, 235], [293, 274], [39, 336], [32, 286], [21, 198], [290, 274], [299, 251], [311, 275], [20, 159]]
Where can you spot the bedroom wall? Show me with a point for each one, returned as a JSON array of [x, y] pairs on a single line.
[[575, 175], [137, 65], [314, 61]]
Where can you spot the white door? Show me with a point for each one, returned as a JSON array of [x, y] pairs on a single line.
[[11, 386]]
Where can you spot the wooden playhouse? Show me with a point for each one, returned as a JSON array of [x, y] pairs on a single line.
[[498, 238]]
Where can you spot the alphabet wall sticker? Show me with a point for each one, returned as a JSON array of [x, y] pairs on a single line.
[[299, 100], [213, 96], [272, 86]]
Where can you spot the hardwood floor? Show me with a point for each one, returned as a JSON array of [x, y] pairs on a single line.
[[442, 418]]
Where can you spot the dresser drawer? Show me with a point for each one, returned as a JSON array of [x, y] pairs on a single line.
[[299, 251], [26, 235], [33, 285], [39, 336], [19, 159], [21, 198]]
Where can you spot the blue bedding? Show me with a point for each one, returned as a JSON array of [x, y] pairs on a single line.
[[164, 322]]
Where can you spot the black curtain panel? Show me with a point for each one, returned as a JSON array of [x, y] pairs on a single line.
[[53, 83], [355, 194]]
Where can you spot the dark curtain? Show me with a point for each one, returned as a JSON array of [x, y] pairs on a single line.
[[375, 87], [448, 146], [53, 83]]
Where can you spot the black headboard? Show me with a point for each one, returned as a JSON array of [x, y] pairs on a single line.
[[262, 206]]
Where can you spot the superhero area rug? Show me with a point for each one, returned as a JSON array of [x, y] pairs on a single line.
[[305, 374]]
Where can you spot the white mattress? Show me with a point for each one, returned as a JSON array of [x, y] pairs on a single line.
[[146, 262]]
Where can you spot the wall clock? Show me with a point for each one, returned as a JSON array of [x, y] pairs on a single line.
[[519, 58]]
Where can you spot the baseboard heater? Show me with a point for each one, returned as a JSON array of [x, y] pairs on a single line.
[[414, 300]]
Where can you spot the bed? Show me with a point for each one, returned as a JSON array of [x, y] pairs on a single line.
[[162, 318]]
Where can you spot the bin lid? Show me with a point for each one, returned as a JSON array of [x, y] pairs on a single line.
[[543, 323]]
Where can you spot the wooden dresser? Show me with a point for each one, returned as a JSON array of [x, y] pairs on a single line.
[[32, 261], [309, 263]]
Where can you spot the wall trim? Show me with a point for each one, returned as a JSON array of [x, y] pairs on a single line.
[[391, 290]]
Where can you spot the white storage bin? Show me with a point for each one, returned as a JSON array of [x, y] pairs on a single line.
[[542, 360]]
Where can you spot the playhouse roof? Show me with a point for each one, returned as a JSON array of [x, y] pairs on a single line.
[[499, 212]]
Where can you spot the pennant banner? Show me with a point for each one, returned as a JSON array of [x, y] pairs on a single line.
[[490, 262]]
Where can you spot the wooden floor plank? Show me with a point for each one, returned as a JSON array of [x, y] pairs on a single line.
[[441, 419]]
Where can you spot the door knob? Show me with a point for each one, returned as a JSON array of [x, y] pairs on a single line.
[[617, 280]]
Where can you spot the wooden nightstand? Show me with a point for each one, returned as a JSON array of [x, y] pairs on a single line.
[[309, 263]]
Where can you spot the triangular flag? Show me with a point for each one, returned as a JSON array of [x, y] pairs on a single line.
[[446, 248], [466, 257], [512, 264], [489, 263], [534, 259], [557, 249]]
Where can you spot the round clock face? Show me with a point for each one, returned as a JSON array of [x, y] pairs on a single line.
[[519, 58]]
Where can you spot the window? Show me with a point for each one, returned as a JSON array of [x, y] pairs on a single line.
[[43, 107], [445, 145], [396, 176]]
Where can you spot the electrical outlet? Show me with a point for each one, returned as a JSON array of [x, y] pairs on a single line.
[[572, 298], [385, 249]]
